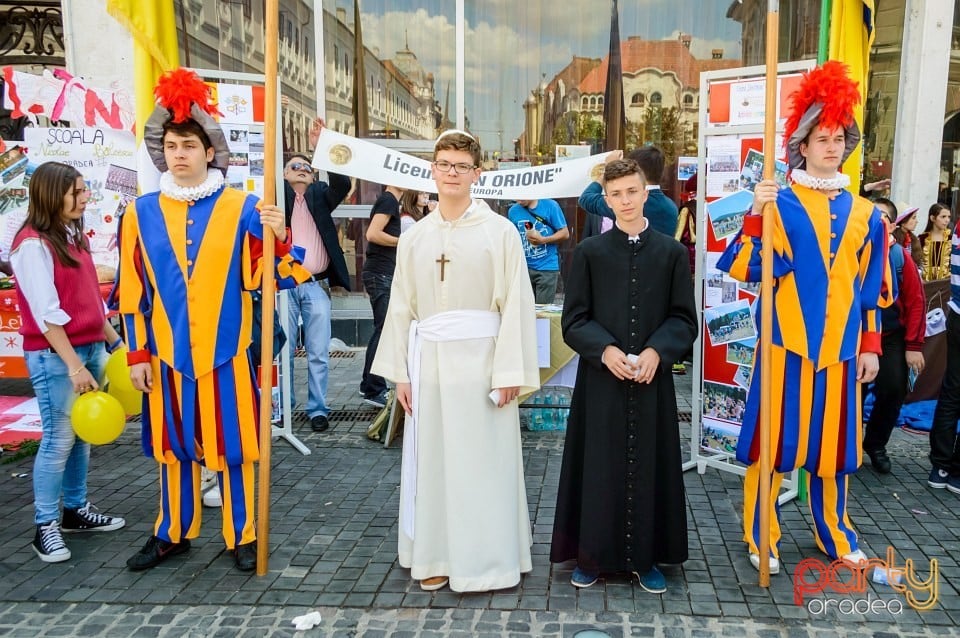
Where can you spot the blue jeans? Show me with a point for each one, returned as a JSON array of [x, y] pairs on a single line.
[[311, 303], [62, 460], [378, 287]]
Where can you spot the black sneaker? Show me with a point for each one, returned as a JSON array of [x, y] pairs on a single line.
[[86, 519], [155, 552], [880, 461], [319, 423], [48, 543], [245, 557], [377, 400]]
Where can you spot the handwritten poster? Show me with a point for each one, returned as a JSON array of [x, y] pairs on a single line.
[[105, 158]]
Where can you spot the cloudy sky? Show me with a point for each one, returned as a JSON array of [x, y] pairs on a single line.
[[513, 44]]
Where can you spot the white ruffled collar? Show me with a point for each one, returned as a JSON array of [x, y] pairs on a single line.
[[802, 177], [209, 186]]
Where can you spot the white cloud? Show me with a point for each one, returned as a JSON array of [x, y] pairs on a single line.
[[703, 49], [503, 64], [512, 45]]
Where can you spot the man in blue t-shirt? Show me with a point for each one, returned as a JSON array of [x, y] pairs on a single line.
[[542, 226]]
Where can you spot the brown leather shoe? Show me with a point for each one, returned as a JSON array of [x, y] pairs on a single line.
[[434, 583]]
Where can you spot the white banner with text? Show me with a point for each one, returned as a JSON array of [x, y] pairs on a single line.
[[338, 153]]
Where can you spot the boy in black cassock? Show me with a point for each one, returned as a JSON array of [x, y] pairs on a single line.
[[629, 312]]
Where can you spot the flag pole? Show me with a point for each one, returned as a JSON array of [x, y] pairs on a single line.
[[766, 290], [271, 19]]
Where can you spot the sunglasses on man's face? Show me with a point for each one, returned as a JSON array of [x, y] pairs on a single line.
[[300, 166]]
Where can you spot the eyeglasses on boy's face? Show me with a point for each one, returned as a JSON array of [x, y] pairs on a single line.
[[300, 166], [461, 167]]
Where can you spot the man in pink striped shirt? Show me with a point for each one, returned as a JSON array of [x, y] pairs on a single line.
[[309, 208]]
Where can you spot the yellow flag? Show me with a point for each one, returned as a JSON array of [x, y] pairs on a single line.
[[153, 26], [851, 36]]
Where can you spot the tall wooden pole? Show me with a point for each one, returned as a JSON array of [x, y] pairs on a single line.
[[271, 27], [766, 290]]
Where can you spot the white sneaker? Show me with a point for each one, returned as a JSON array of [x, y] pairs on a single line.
[[855, 558], [774, 563], [211, 498], [208, 479]]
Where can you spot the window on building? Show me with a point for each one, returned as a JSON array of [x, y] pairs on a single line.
[[636, 99], [656, 99], [688, 100]]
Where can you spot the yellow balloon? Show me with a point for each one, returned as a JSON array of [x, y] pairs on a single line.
[[131, 400], [97, 418], [118, 373]]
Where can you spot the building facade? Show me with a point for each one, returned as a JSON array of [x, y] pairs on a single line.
[[661, 86], [529, 74]]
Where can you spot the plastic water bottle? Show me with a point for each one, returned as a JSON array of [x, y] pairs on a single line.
[[550, 416], [563, 411], [536, 422]]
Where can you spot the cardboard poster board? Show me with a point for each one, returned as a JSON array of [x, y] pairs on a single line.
[[106, 159]]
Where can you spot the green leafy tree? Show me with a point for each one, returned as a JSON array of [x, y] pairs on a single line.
[[664, 129], [590, 129]]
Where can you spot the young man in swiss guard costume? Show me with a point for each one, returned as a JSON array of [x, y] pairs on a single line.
[[831, 277], [188, 255]]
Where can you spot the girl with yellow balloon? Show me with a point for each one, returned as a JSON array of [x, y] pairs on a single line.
[[64, 330]]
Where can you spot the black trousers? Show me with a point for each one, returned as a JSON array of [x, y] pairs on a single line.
[[889, 390], [944, 452], [377, 286]]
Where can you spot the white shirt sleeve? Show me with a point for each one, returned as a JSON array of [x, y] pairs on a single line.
[[406, 223], [32, 264]]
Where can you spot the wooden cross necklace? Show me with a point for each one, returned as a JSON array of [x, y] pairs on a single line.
[[443, 261]]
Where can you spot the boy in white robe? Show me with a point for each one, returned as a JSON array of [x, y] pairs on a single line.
[[459, 341]]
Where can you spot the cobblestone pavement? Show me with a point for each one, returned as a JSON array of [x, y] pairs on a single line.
[[333, 538]]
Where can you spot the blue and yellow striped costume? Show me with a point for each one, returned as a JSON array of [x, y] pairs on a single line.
[[830, 277], [185, 269]]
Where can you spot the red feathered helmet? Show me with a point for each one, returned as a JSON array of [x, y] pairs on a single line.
[[827, 96], [182, 95]]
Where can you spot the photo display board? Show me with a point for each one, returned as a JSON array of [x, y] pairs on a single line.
[[729, 166]]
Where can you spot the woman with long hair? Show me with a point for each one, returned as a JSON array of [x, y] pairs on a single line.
[[413, 206], [935, 243], [904, 233], [64, 329]]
